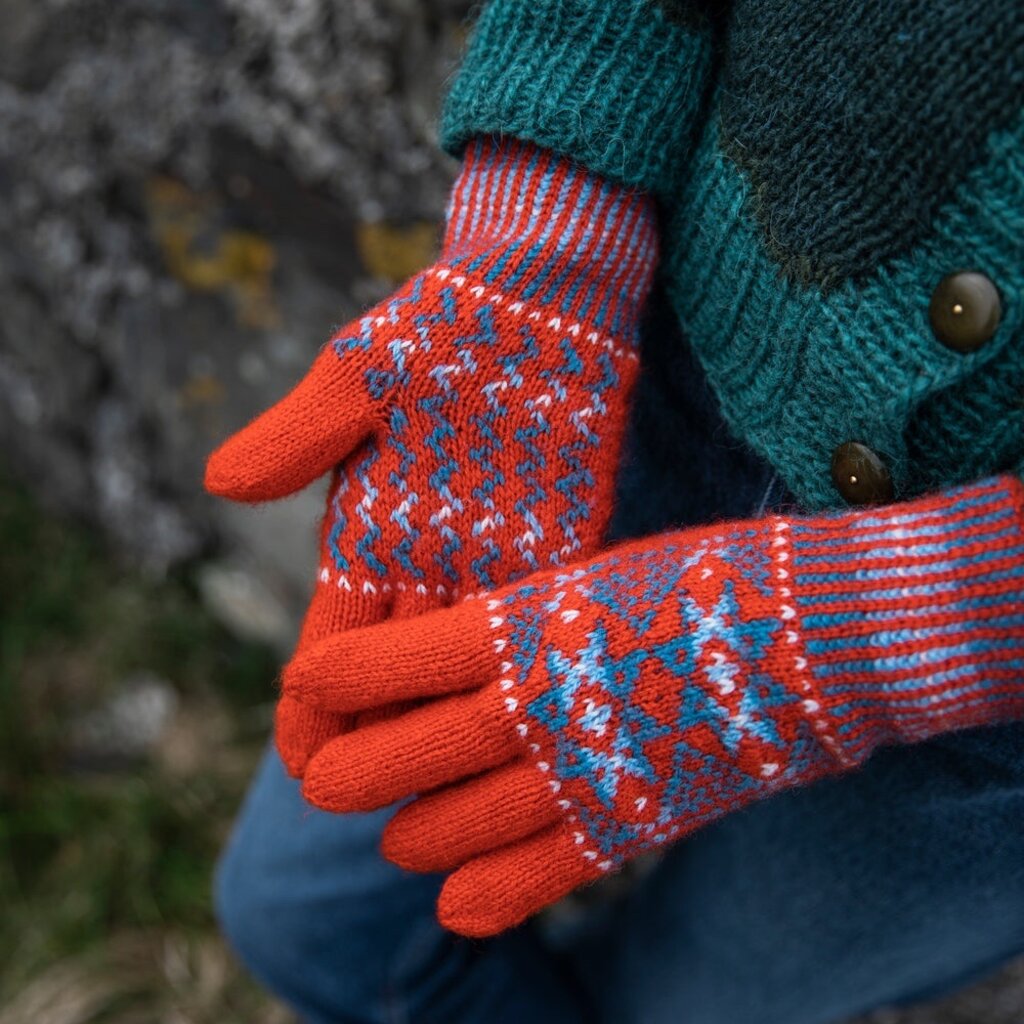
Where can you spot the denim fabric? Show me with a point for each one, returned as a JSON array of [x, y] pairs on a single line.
[[879, 887], [819, 904], [326, 923]]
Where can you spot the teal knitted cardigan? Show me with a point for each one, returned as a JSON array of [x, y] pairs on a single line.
[[820, 168]]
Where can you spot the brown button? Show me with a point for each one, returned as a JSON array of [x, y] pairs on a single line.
[[965, 310], [860, 476]]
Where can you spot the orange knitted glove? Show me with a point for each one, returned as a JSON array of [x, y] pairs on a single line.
[[591, 713], [475, 418]]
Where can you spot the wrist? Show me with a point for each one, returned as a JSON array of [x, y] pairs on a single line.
[[911, 618], [550, 234], [616, 84]]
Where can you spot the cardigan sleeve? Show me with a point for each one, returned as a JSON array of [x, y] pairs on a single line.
[[615, 85]]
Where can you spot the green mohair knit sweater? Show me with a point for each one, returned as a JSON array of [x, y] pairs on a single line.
[[821, 167]]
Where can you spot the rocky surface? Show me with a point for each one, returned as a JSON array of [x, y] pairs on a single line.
[[195, 192]]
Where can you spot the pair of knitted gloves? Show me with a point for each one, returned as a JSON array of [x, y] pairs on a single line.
[[558, 707]]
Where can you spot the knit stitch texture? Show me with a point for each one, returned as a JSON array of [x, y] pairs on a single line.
[[669, 682], [856, 122], [812, 201], [474, 420], [799, 371], [613, 84]]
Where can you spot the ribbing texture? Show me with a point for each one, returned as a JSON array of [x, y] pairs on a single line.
[[811, 205], [473, 421], [798, 371], [611, 84]]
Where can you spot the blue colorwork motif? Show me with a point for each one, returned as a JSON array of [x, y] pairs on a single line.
[[482, 428], [667, 689]]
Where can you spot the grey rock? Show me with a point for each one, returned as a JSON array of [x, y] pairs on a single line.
[[997, 999], [129, 724], [244, 603], [185, 184]]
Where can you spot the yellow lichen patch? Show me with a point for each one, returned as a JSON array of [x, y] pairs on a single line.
[[206, 255], [396, 252], [202, 389]]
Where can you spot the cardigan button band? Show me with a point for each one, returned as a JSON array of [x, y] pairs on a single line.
[[860, 476], [965, 310]]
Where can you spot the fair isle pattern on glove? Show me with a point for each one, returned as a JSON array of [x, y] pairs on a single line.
[[527, 329], [762, 657], [611, 708], [475, 418]]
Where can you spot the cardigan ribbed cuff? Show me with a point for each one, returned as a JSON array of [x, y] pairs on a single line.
[[551, 234], [912, 618], [611, 84]]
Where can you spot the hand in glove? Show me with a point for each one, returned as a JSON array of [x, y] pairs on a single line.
[[593, 712], [474, 420]]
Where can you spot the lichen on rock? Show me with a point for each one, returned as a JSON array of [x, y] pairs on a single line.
[[195, 194]]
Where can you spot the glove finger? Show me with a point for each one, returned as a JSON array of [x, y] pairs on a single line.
[[314, 427], [443, 830], [300, 731], [431, 746], [300, 728], [504, 887], [441, 652]]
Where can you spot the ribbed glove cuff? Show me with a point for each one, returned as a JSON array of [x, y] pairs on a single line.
[[911, 620], [552, 235]]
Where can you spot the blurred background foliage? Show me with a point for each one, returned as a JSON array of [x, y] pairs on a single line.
[[129, 722], [195, 192]]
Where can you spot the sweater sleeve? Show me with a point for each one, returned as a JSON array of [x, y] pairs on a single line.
[[613, 84]]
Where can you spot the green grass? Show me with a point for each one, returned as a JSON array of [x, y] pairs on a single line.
[[96, 859]]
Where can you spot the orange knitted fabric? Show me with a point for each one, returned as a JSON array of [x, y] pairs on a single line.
[[591, 713], [474, 420]]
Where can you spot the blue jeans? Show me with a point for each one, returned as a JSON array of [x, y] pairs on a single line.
[[882, 887]]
